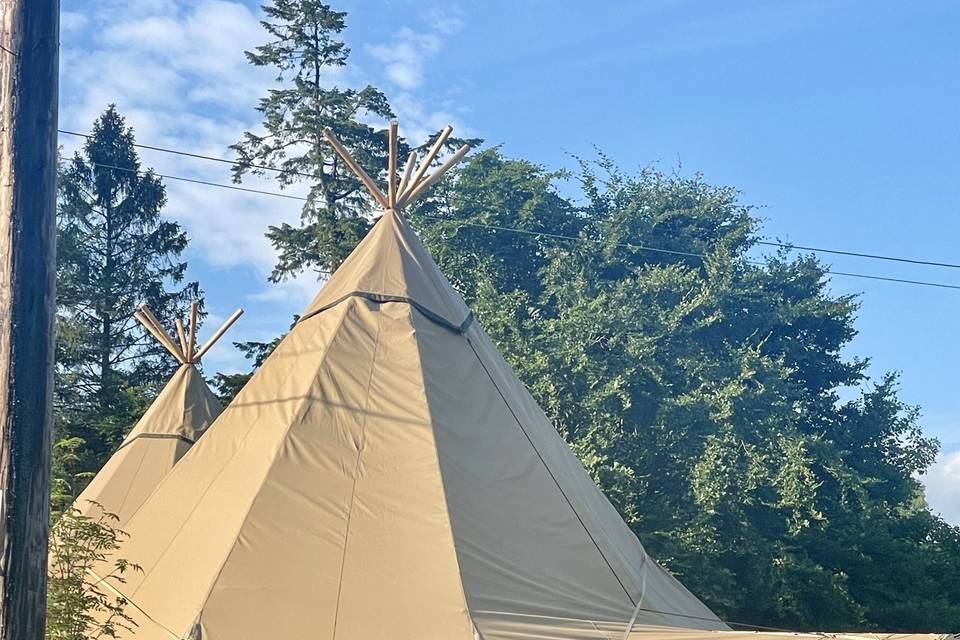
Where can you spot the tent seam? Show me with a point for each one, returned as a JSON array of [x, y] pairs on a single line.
[[356, 472], [550, 471], [183, 524], [126, 494], [443, 490], [276, 453], [156, 436], [381, 298]]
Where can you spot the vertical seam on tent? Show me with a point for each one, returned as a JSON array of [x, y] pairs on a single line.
[[126, 494], [356, 471], [218, 474], [443, 489], [293, 420], [549, 471]]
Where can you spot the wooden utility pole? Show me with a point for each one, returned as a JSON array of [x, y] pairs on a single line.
[[29, 31]]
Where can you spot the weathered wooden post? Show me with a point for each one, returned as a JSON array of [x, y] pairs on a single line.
[[28, 125]]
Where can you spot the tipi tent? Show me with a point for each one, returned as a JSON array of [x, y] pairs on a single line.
[[384, 475], [171, 425]]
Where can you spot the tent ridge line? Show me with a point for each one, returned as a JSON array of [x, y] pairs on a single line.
[[381, 298], [553, 477], [443, 487], [298, 412], [356, 469]]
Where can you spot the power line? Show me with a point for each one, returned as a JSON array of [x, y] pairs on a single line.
[[205, 182], [700, 256], [770, 243], [544, 234], [200, 156], [872, 256]]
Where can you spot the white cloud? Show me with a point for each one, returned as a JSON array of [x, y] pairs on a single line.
[[404, 61], [71, 21], [177, 72], [405, 56], [942, 483], [447, 21]]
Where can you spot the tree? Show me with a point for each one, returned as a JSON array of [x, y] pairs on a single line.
[[114, 252], [79, 606], [305, 48], [701, 389]]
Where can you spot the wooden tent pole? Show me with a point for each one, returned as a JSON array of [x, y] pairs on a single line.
[[182, 336], [423, 186], [392, 164], [158, 336], [407, 172], [216, 336], [357, 169], [425, 164], [192, 339], [161, 334]]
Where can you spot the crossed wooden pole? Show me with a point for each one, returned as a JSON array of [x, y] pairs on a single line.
[[186, 351], [401, 190]]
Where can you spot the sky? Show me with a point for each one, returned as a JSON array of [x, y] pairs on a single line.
[[837, 120]]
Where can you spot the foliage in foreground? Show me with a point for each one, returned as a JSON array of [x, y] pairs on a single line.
[[79, 605]]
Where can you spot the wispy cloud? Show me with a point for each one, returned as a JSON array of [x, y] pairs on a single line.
[[176, 70], [405, 60], [404, 57]]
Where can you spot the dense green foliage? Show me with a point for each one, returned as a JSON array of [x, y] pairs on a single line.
[[113, 252], [702, 388], [79, 606]]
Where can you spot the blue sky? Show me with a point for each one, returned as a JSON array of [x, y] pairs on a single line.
[[838, 119]]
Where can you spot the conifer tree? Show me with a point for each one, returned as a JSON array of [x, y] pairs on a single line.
[[114, 253], [306, 50]]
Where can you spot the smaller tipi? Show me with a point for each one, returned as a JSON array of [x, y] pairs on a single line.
[[180, 414]]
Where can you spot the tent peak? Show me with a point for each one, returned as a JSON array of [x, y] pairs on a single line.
[[401, 190], [186, 351], [391, 265]]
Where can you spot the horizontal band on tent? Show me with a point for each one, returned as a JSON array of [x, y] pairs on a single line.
[[381, 298], [159, 436]]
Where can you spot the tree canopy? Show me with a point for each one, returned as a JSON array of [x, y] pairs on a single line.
[[702, 385]]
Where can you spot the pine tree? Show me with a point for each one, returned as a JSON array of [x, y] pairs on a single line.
[[306, 48], [114, 252]]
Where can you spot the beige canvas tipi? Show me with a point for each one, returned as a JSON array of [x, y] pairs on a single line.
[[385, 475], [171, 425]]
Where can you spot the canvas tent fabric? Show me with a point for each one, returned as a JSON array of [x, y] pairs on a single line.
[[171, 425], [520, 628], [385, 475]]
